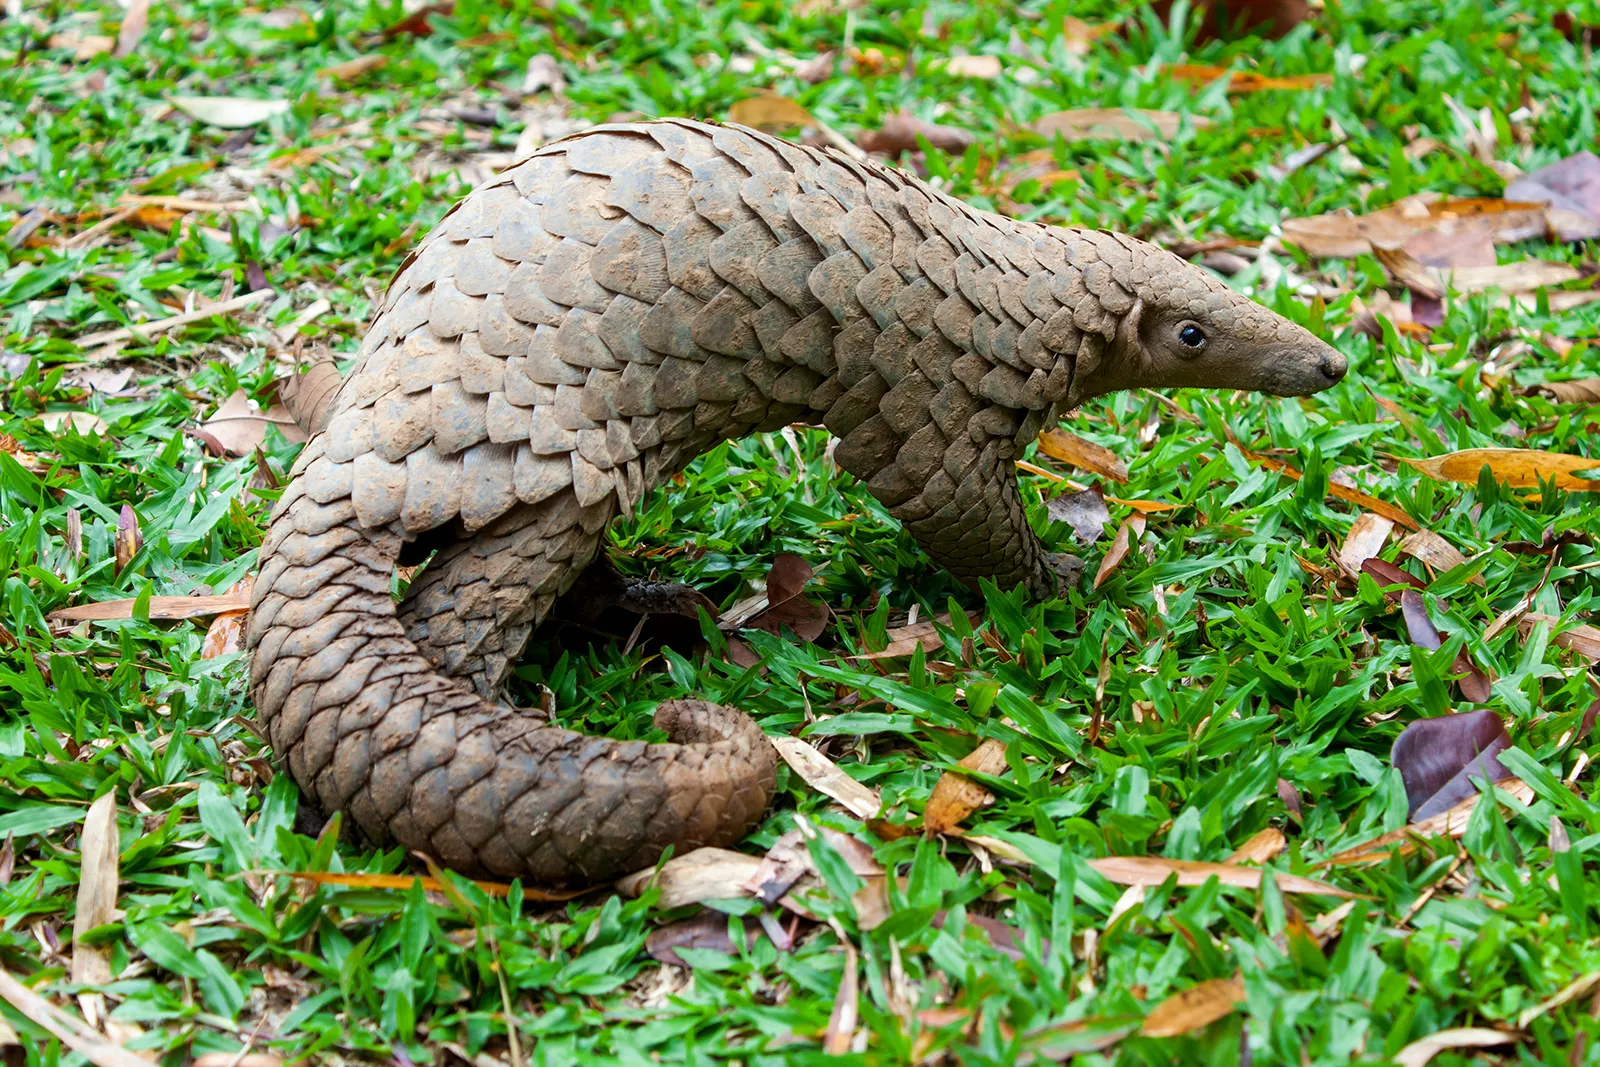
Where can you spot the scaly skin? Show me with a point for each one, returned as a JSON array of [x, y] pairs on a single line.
[[575, 332]]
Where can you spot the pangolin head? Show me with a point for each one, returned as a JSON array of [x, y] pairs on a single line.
[[1187, 329]]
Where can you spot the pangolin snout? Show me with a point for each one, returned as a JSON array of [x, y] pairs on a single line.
[[1333, 365]]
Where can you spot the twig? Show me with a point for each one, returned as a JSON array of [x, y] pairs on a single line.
[[145, 329], [70, 1030]]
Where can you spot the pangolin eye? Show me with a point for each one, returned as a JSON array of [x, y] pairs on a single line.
[[1192, 336]]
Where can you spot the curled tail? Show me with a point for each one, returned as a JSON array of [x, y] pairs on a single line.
[[368, 725]]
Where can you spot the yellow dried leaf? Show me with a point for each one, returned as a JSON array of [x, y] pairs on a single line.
[[1085, 455], [771, 112], [1190, 1009], [1519, 468], [956, 796]]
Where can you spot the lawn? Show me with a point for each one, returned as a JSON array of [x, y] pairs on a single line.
[[1280, 587]]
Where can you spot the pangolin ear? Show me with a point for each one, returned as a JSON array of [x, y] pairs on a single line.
[[1128, 339]]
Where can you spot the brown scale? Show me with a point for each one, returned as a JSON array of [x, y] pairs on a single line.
[[577, 330]]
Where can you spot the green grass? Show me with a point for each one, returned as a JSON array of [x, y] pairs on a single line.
[[1287, 679]]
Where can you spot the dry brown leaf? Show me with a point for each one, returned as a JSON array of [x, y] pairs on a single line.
[[702, 875], [1191, 1009], [985, 68], [1452, 823], [1523, 277], [1576, 391], [1584, 640], [903, 640], [543, 72], [1339, 235], [239, 427], [1571, 191], [818, 68], [899, 133], [1364, 541], [770, 112], [84, 46], [307, 394], [225, 635], [1085, 455], [1115, 124], [1079, 36], [823, 775], [128, 539], [1435, 551], [1342, 492], [1574, 989], [72, 1031], [1247, 81], [1120, 544], [1441, 759], [134, 21], [786, 607], [97, 900], [352, 69], [161, 607], [234, 1059], [84, 423], [1420, 1052], [841, 1031], [956, 796], [1519, 468], [1153, 870], [1262, 846]]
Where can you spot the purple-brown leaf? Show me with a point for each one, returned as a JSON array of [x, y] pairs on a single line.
[[1438, 758], [707, 930]]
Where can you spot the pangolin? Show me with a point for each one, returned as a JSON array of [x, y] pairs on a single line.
[[578, 329]]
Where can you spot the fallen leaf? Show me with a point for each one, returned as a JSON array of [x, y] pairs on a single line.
[[1291, 799], [416, 24], [1263, 845], [903, 640], [360, 880], [785, 606], [1570, 189], [543, 72], [1085, 512], [1364, 541], [817, 69], [134, 21], [234, 1059], [128, 539], [1085, 455], [1132, 527], [1247, 81], [955, 796], [694, 878], [1576, 391], [1420, 1052], [307, 394], [1519, 468], [707, 930], [899, 133], [986, 68], [352, 69], [1452, 823], [1474, 683], [1522, 277], [1226, 18], [70, 1030], [786, 862], [1079, 36], [1154, 870], [1438, 758], [1584, 640], [1387, 574], [1342, 236], [841, 1031], [1436, 552], [823, 775], [1574, 989], [225, 635], [84, 46], [165, 608], [239, 427], [770, 112], [98, 885], [1115, 124], [1191, 1009], [229, 112], [84, 423]]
